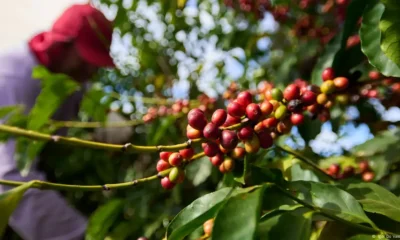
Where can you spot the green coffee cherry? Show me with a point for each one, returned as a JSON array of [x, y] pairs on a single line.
[[280, 112], [174, 174], [328, 87], [277, 94]]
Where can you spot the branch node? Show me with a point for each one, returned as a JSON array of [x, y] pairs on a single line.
[[159, 175], [55, 138], [126, 146], [189, 143], [135, 182], [159, 148], [105, 188]]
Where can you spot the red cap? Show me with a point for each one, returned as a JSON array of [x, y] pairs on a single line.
[[87, 27]]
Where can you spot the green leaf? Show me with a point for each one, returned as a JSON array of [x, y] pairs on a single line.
[[238, 218], [380, 143], [242, 176], [300, 172], [364, 237], [9, 201], [376, 199], [6, 110], [285, 226], [310, 128], [199, 171], [330, 200], [370, 36], [103, 218], [389, 26], [92, 105]]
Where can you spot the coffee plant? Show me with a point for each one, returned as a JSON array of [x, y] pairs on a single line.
[[221, 108]]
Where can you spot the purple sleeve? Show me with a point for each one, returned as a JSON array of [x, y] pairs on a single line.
[[41, 215]]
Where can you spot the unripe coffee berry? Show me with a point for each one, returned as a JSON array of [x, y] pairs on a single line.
[[252, 145], [244, 98], [266, 108], [328, 74], [208, 226], [291, 92], [235, 109], [297, 118], [245, 132], [227, 165], [219, 117], [174, 174], [187, 153], [217, 159], [165, 155], [265, 139], [162, 165], [167, 184], [192, 133], [328, 104], [197, 119], [322, 98], [229, 139], [175, 159], [295, 105], [275, 104], [341, 83], [342, 99], [238, 152], [308, 98], [277, 94], [253, 111], [328, 87], [270, 122], [280, 112], [211, 131], [210, 149]]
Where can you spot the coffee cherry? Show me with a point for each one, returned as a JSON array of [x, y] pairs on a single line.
[[229, 139], [324, 115], [265, 139], [270, 122], [252, 145], [328, 104], [253, 111], [238, 152], [363, 166], [308, 98], [187, 153], [275, 104], [342, 99], [314, 109], [175, 159], [291, 92], [245, 133], [266, 108], [165, 155], [280, 112], [208, 226], [219, 117], [259, 127], [277, 94], [192, 133], [368, 176], [227, 165], [295, 106], [297, 118], [211, 131], [210, 149], [314, 88], [348, 171], [334, 169], [341, 83], [197, 119], [284, 127], [328, 87], [244, 98], [167, 184], [217, 159], [268, 95], [328, 74], [175, 174], [322, 98], [231, 121], [162, 165], [236, 110], [374, 75], [373, 93]]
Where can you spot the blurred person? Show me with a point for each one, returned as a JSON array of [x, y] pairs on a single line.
[[78, 45]]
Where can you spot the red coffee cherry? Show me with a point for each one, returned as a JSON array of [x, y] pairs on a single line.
[[324, 115], [238, 152], [244, 98], [227, 165], [211, 131], [253, 111], [314, 109], [291, 92], [334, 169], [374, 75], [341, 83], [348, 171], [197, 119], [368, 176], [328, 74], [363, 166], [210, 149], [265, 139], [308, 98], [259, 127], [162, 165], [231, 121], [266, 108], [229, 139], [217, 159], [219, 117], [167, 184], [245, 133], [252, 145], [165, 155], [192, 133], [187, 153], [297, 118], [235, 109], [208, 226], [175, 159], [270, 122], [373, 93]]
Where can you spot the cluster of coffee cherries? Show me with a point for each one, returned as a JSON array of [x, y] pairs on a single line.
[[364, 171], [180, 106], [258, 7]]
